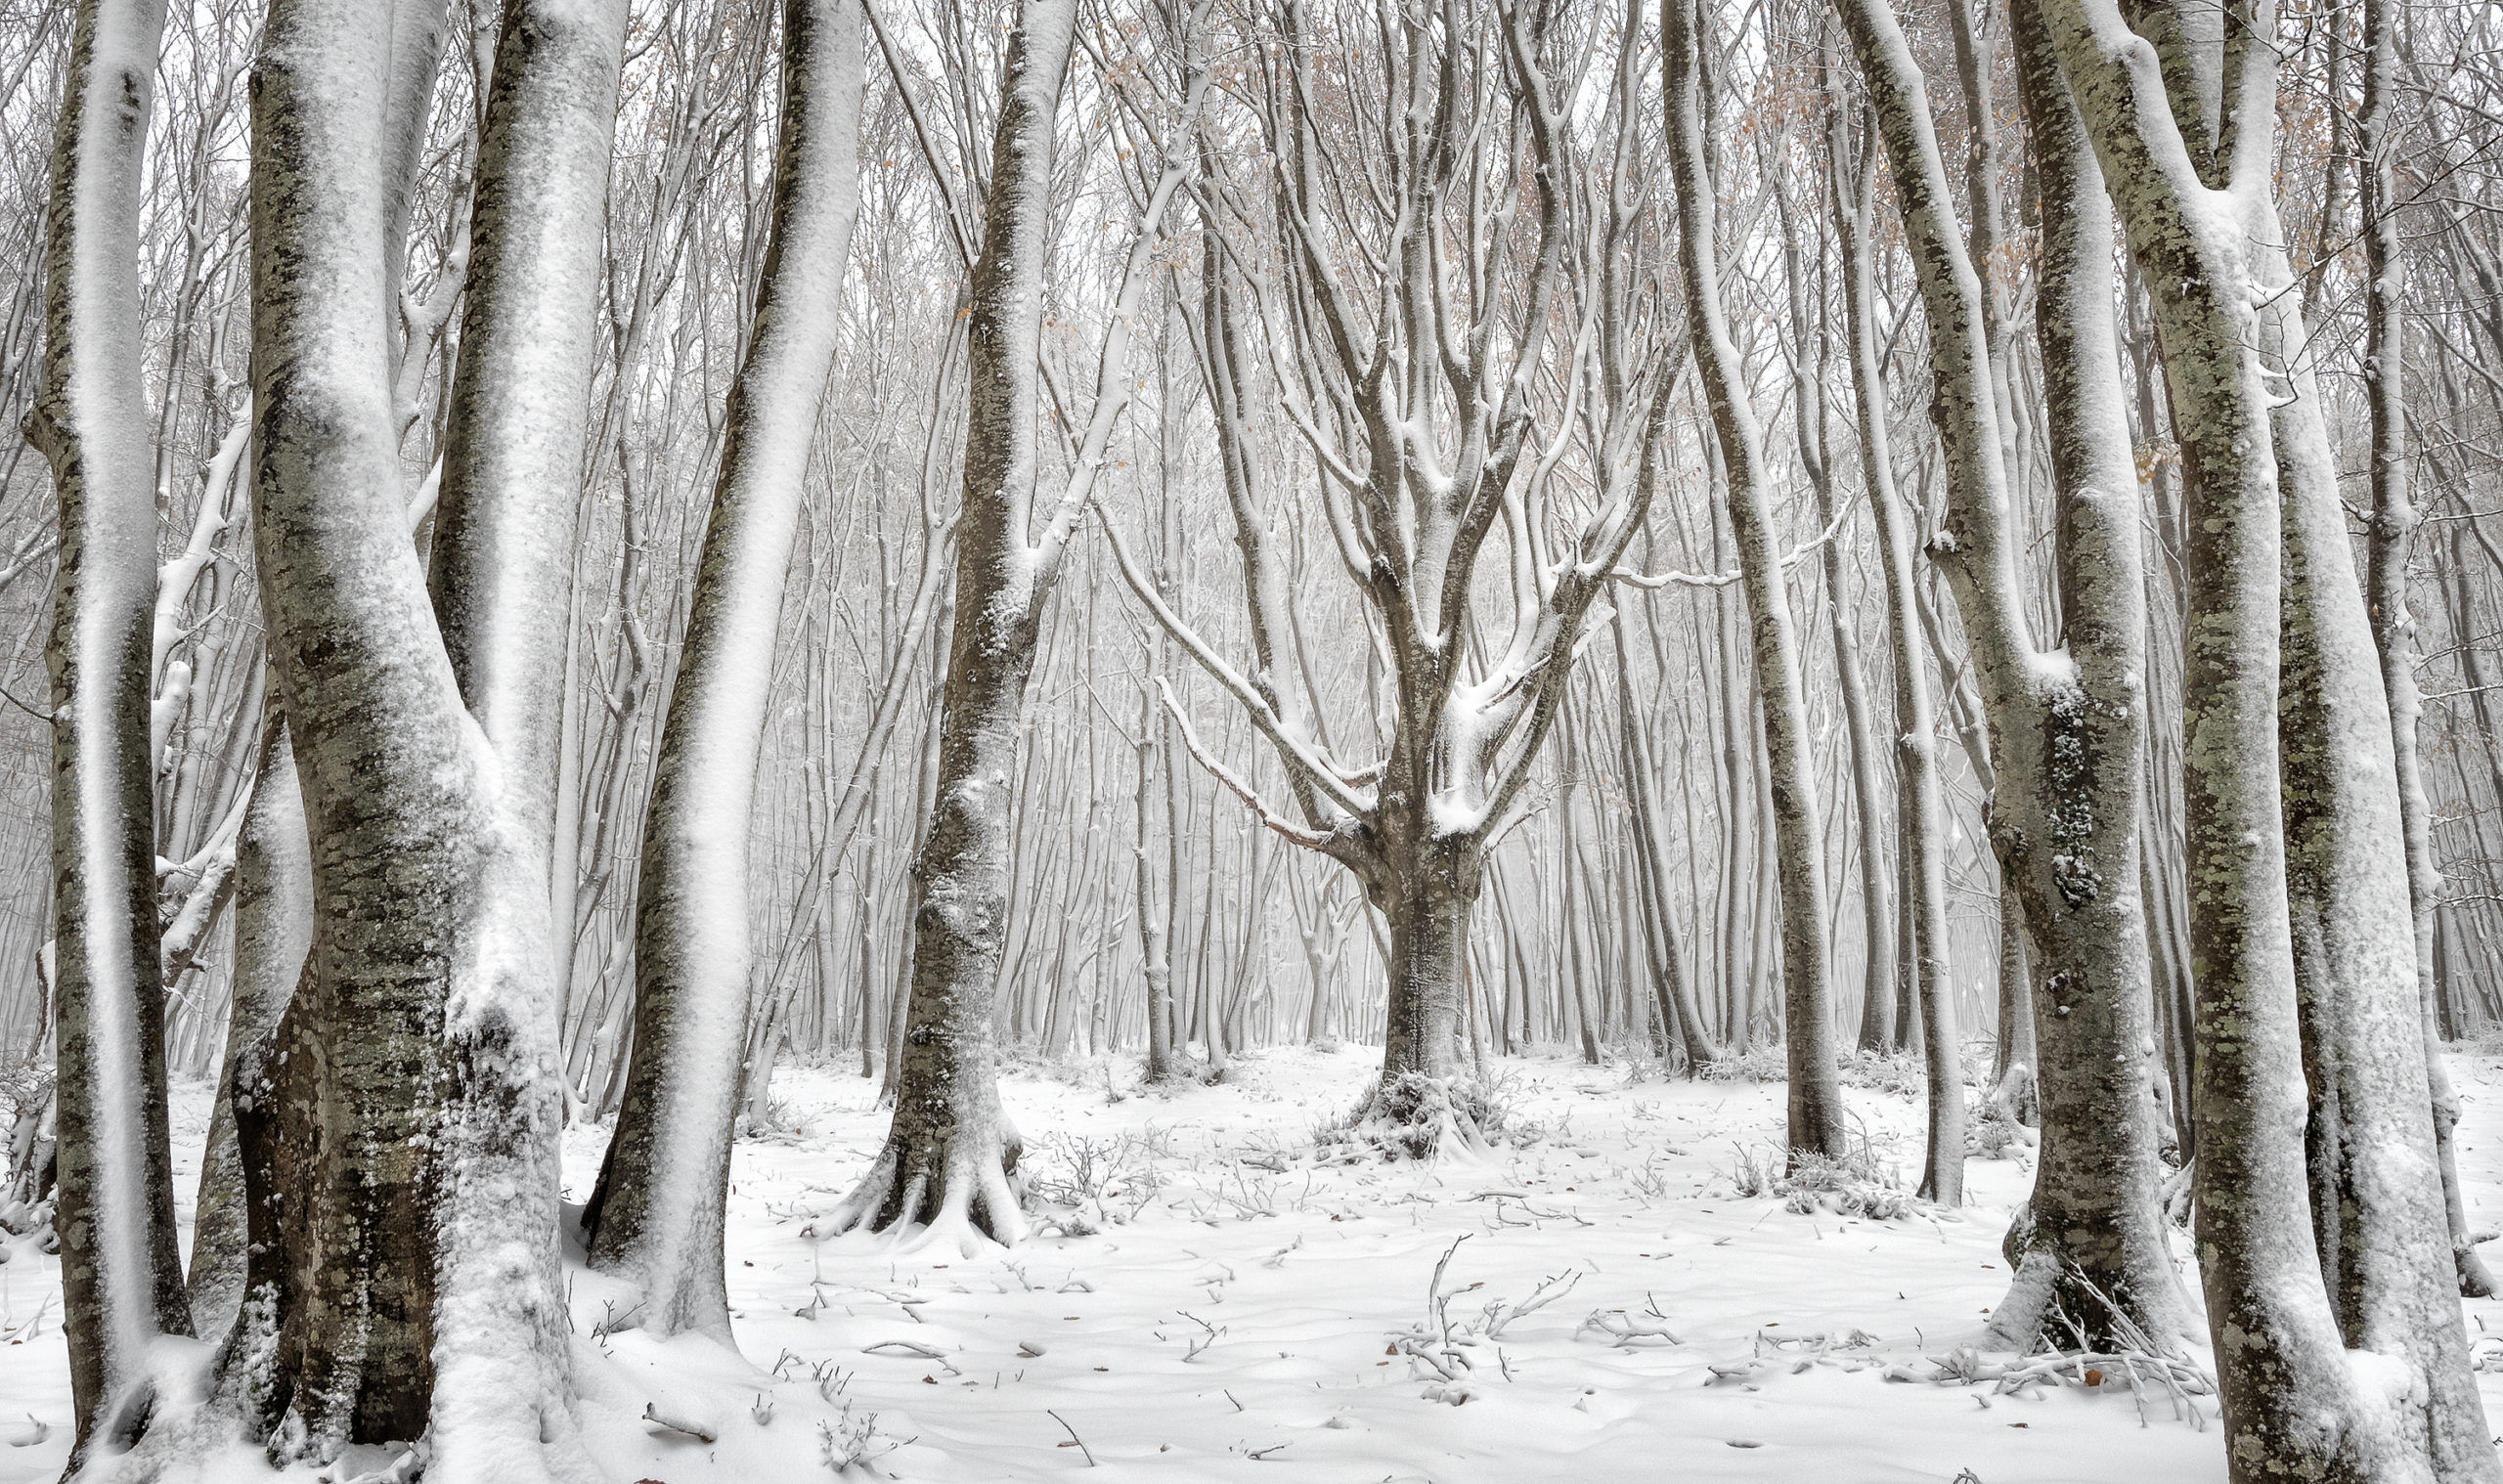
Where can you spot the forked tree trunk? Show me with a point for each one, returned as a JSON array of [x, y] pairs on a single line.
[[2199, 203], [2092, 1243], [950, 1150], [655, 1216], [121, 1271], [1816, 1113], [400, 1175]]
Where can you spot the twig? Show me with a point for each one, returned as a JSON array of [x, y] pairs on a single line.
[[1073, 1435]]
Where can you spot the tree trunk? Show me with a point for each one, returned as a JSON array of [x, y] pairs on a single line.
[[401, 1177], [2392, 541], [120, 1268], [2068, 814], [656, 1214], [2198, 200], [273, 932], [1815, 1110], [950, 1150]]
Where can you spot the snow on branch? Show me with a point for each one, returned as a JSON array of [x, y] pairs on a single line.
[[1296, 753], [1791, 559], [1311, 839]]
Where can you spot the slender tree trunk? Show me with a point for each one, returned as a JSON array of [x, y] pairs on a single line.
[[1815, 1109], [951, 1150], [120, 1268], [657, 1211], [273, 932], [2392, 541]]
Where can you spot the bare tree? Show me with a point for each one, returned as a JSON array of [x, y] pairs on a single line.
[[121, 1273], [656, 1212], [2182, 127]]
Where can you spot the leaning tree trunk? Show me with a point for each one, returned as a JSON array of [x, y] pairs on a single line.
[[656, 1214], [401, 1173], [2393, 540], [2261, 504], [1816, 1126], [121, 1269], [950, 1150]]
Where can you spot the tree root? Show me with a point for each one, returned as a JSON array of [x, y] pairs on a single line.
[[1415, 1115], [964, 1193]]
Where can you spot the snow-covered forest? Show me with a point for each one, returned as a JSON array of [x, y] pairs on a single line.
[[1414, 740]]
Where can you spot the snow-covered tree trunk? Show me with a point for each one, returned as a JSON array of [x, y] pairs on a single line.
[[2197, 195], [273, 932], [2391, 546], [951, 1150], [1816, 1113], [120, 1270], [2094, 1241], [656, 1214], [401, 1173], [2064, 722], [2380, 1219], [1920, 810], [1156, 960]]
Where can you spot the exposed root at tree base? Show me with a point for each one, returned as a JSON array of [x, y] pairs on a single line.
[[2054, 1306], [965, 1194], [1413, 1116]]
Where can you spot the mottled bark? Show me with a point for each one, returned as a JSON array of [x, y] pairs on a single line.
[[120, 1270], [656, 1213], [273, 932], [2197, 198], [401, 1173], [950, 1150], [2068, 820]]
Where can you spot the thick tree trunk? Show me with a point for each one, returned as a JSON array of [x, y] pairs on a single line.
[[400, 1176], [121, 1269], [2068, 813], [1428, 913], [950, 1150], [2380, 1218], [656, 1214], [1816, 1126], [2199, 203]]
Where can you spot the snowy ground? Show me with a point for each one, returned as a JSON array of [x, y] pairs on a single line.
[[1241, 1313]]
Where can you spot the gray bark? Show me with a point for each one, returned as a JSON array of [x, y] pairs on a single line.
[[657, 1210], [2195, 189], [407, 1152], [1815, 1093], [273, 932], [950, 1150], [120, 1270]]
